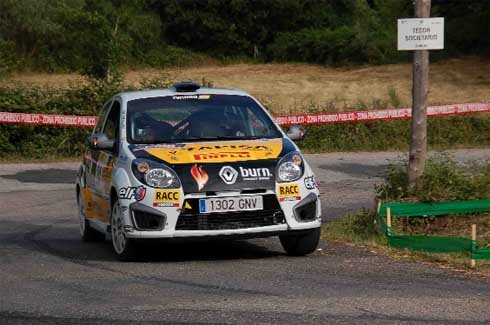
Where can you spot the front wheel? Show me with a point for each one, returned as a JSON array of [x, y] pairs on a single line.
[[301, 243], [125, 248]]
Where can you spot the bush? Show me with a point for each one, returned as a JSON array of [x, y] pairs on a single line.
[[87, 99], [443, 180], [443, 133], [8, 60], [41, 142]]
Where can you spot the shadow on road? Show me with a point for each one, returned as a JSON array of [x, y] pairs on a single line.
[[52, 176], [63, 241], [356, 169]]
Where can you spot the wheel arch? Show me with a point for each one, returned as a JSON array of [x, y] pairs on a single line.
[[113, 196]]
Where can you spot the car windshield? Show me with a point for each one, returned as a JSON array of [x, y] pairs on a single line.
[[197, 118]]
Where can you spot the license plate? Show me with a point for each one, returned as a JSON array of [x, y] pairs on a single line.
[[228, 204]]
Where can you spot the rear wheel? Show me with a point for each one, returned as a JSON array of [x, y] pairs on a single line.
[[125, 248], [301, 243], [87, 233]]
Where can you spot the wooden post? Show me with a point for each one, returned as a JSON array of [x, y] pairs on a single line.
[[388, 217], [420, 90], [473, 238], [378, 205]]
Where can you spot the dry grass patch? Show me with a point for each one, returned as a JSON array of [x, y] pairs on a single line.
[[293, 88]]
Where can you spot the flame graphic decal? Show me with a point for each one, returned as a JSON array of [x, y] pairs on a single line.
[[200, 176]]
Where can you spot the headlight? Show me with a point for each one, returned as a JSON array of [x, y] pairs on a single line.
[[159, 177], [155, 174], [290, 167]]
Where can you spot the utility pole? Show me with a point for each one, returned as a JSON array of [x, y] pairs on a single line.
[[420, 91]]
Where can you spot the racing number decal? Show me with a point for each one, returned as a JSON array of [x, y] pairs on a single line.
[[289, 192], [166, 198]]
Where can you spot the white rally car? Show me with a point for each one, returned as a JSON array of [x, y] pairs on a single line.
[[195, 163]]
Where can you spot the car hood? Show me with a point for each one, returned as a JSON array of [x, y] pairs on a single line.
[[220, 165]]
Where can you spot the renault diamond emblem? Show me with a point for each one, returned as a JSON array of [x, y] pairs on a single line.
[[228, 174]]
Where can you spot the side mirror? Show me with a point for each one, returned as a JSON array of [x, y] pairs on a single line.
[[100, 142], [296, 132]]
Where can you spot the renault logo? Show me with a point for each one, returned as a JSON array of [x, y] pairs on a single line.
[[228, 174]]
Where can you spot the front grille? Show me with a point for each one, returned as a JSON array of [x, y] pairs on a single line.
[[191, 219]]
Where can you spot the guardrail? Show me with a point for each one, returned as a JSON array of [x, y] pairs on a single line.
[[285, 120], [435, 244]]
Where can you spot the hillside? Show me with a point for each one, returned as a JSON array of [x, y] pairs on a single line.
[[296, 87]]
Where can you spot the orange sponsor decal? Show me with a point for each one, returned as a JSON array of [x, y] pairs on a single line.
[[218, 152], [200, 176]]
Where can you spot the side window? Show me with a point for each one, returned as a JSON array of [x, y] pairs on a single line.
[[101, 118], [111, 128]]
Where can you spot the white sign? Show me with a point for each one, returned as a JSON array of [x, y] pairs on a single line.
[[421, 34]]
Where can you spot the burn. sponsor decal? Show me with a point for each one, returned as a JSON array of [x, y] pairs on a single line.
[[229, 175], [137, 193], [199, 175], [216, 152], [255, 174], [289, 192], [166, 198]]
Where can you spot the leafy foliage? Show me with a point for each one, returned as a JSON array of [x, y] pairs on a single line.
[[42, 142], [87, 99], [443, 180], [97, 37], [443, 133]]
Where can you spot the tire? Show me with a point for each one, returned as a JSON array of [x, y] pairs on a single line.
[[87, 233], [300, 244], [124, 248]]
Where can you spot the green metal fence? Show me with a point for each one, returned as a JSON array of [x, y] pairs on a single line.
[[435, 244]]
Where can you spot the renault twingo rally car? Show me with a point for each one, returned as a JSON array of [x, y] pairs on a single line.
[[195, 163]]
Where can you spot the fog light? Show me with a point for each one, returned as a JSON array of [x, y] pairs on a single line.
[[306, 209]]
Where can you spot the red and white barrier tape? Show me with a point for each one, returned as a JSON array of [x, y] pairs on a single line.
[[384, 114], [47, 119], [304, 119]]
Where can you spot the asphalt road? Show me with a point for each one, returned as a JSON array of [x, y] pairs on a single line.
[[47, 275]]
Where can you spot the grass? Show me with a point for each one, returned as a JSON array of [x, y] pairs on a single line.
[[443, 180], [297, 88], [360, 229]]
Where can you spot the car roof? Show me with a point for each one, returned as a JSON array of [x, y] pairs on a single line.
[[131, 95]]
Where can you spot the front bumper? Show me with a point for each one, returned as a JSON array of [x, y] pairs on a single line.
[[186, 221]]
